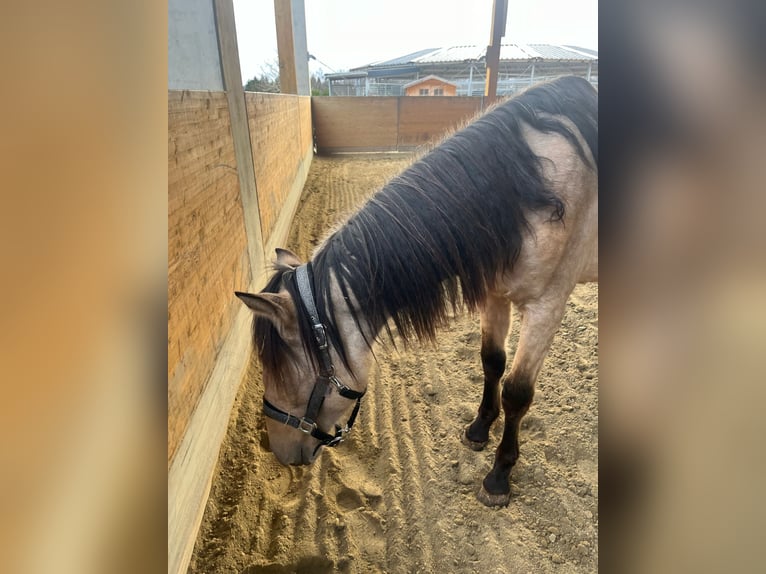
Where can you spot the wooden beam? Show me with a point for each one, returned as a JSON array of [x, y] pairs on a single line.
[[235, 93], [499, 16], [290, 17]]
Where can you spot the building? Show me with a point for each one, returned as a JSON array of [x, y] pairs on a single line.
[[430, 86], [464, 67]]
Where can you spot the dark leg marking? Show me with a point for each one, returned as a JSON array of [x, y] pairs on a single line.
[[493, 362], [517, 397], [538, 325], [495, 322]]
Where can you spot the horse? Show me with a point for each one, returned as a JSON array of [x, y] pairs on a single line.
[[502, 212]]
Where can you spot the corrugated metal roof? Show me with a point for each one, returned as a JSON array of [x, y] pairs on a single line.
[[587, 51], [401, 59], [554, 52], [451, 54], [474, 53], [518, 52]]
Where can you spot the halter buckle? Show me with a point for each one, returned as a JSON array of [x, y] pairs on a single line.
[[320, 335], [306, 426]]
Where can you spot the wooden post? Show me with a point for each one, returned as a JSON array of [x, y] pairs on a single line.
[[240, 130], [499, 16], [290, 17]]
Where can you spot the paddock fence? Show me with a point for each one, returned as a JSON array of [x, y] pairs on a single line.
[[385, 124]]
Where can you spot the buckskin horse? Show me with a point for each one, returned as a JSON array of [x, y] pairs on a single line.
[[502, 212]]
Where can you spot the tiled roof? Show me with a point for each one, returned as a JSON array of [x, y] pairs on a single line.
[[429, 77]]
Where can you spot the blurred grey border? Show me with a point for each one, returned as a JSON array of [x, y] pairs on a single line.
[[683, 277]]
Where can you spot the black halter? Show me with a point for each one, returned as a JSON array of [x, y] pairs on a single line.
[[326, 377]]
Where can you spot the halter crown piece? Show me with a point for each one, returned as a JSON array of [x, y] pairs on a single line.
[[326, 376]]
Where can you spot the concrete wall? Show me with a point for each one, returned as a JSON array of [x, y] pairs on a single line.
[[193, 59], [354, 124]]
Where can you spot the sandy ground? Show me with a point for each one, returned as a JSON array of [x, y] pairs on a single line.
[[399, 495]]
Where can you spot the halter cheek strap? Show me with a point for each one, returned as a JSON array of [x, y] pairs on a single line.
[[325, 377]]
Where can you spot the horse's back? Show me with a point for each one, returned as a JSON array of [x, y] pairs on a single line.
[[558, 254]]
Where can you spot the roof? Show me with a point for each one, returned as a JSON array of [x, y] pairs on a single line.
[[544, 52], [429, 77], [401, 59]]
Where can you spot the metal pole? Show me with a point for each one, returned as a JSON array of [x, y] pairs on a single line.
[[470, 80]]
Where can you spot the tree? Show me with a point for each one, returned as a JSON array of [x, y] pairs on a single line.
[[267, 81], [319, 85]]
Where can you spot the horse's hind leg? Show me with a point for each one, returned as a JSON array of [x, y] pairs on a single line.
[[495, 322], [539, 322]]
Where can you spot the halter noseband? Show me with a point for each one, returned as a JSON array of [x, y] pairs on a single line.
[[326, 376]]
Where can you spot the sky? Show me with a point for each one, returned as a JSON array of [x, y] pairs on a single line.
[[345, 34]]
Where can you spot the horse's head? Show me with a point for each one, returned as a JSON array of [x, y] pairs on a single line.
[[293, 369]]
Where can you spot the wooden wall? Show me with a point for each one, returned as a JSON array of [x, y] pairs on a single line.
[[207, 243], [207, 248], [358, 124], [348, 123], [279, 145], [423, 119]]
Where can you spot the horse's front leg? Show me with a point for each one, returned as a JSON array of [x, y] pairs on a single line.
[[495, 322], [539, 322]]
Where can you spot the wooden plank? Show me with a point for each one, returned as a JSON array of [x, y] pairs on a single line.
[[206, 247], [347, 123], [422, 120], [278, 132], [227, 42], [285, 219], [190, 476]]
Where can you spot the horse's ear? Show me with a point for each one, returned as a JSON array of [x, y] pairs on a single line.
[[276, 307], [287, 257]]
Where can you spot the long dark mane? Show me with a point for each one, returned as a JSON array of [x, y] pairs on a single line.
[[436, 236]]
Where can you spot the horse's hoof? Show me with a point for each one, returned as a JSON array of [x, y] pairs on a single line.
[[488, 499], [472, 444]]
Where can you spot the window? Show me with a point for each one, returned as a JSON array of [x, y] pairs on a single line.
[[423, 91], [438, 91]]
